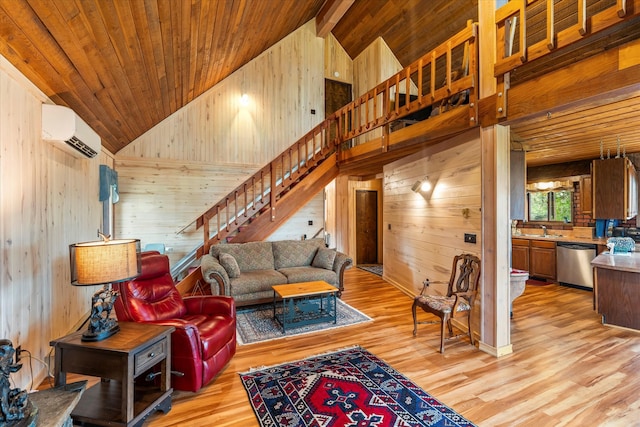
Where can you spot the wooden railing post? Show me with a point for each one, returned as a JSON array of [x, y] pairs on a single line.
[[272, 193]]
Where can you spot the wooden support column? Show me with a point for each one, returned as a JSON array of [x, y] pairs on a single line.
[[496, 241], [495, 331]]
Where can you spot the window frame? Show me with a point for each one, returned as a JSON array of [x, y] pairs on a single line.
[[551, 201]]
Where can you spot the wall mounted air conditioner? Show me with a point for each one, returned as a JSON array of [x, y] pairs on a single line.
[[67, 131]]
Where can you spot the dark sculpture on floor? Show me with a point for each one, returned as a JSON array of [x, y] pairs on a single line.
[[101, 324], [13, 401]]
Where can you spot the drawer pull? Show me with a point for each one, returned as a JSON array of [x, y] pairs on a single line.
[[152, 354]]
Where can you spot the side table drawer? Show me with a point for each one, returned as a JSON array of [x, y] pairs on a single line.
[[149, 356]]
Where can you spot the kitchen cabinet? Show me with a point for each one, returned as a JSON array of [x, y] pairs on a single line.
[[615, 189], [520, 254], [586, 195], [617, 289], [542, 259], [538, 257]]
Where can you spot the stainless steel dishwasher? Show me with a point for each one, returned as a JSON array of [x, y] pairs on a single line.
[[573, 261]]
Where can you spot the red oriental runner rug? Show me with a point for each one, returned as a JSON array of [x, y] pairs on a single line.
[[348, 388]]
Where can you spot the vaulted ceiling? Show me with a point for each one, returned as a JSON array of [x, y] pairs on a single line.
[[125, 65]]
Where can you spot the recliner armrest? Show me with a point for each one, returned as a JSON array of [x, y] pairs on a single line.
[[211, 304], [214, 273]]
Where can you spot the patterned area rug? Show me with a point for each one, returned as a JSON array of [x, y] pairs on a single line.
[[372, 268], [348, 388], [256, 324]]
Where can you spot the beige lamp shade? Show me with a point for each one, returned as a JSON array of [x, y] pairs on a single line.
[[101, 262]]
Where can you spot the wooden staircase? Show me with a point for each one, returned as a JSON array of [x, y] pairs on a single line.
[[258, 206]]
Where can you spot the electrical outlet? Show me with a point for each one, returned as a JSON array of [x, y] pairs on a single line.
[[18, 353], [469, 238]]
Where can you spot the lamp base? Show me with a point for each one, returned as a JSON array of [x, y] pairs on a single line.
[[101, 324], [101, 334]]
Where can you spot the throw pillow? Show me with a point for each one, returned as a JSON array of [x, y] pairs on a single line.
[[230, 264], [324, 258]]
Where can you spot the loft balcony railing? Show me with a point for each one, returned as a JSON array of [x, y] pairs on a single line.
[[448, 70], [527, 30]]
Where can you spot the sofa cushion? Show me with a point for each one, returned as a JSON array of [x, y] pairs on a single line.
[[309, 274], [250, 256], [256, 281], [230, 265], [324, 258], [295, 253]]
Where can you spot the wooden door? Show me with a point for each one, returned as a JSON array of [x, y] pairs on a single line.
[[336, 96], [366, 227]]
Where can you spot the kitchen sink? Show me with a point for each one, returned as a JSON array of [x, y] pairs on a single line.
[[541, 236]]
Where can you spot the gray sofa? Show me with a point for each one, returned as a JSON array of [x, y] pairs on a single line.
[[246, 271]]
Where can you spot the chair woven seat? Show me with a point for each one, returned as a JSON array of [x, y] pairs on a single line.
[[442, 303]]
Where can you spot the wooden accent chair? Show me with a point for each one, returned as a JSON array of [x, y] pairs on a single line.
[[461, 294]]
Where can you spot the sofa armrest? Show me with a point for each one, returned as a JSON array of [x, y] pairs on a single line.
[[214, 274], [340, 264], [211, 304]]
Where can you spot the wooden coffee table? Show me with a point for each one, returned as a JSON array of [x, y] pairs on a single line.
[[304, 303]]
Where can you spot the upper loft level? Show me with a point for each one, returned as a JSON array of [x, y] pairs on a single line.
[[561, 68]]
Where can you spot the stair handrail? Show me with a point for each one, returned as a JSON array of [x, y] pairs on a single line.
[[261, 190]]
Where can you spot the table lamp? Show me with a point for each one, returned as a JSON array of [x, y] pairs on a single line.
[[102, 263]]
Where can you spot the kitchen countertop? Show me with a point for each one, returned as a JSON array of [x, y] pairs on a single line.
[[563, 238], [622, 262]]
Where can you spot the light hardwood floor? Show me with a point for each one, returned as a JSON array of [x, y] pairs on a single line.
[[567, 369]]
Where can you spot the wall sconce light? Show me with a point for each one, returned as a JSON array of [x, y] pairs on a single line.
[[422, 186]]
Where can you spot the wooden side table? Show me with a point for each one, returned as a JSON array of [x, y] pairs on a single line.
[[123, 397]]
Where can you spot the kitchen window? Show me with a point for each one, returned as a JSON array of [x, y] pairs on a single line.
[[550, 202]]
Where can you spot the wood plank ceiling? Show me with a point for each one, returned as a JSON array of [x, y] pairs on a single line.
[[125, 65]]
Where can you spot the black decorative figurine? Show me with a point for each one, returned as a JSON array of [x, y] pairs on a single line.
[[13, 401], [101, 324]]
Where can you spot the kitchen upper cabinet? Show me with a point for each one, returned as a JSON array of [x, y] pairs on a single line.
[[586, 194], [615, 189], [517, 180]]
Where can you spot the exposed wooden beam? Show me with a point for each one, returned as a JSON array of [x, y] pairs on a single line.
[[330, 14]]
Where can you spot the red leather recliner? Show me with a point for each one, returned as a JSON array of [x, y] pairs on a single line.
[[205, 336]]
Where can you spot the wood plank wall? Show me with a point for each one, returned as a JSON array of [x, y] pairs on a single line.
[[337, 64], [425, 234], [185, 164], [48, 200], [160, 199], [283, 84], [373, 66]]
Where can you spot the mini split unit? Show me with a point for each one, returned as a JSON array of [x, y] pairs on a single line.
[[63, 128]]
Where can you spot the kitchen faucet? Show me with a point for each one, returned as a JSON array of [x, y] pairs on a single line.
[[544, 230]]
